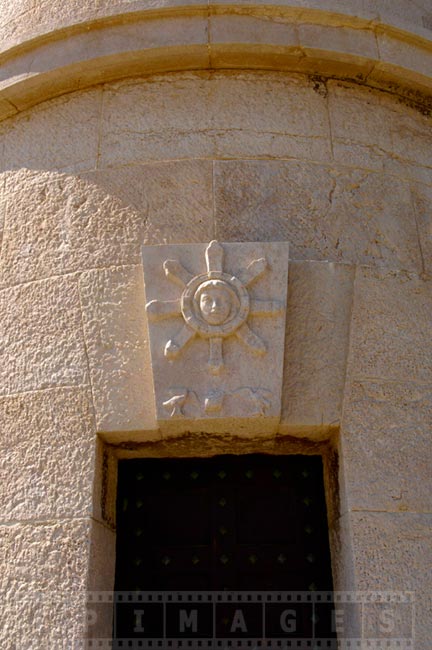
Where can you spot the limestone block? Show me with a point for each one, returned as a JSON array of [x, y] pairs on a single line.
[[2, 207], [257, 40], [42, 584], [316, 344], [174, 199], [59, 135], [6, 110], [41, 334], [197, 115], [393, 552], [390, 327], [386, 451], [22, 18], [116, 339], [58, 224], [411, 16], [47, 454], [422, 199], [101, 579], [272, 115], [162, 121], [326, 213], [371, 130], [406, 55], [216, 321], [353, 45]]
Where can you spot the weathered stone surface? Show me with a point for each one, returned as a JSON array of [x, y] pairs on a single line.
[[422, 199], [393, 552], [202, 115], [326, 213], [390, 327], [316, 344], [386, 451], [407, 54], [217, 326], [101, 579], [116, 338], [41, 334], [60, 135], [47, 454], [42, 583], [22, 18], [323, 40], [2, 208], [57, 224], [390, 137], [173, 199]]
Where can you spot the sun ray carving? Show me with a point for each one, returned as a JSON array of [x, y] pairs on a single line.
[[214, 305]]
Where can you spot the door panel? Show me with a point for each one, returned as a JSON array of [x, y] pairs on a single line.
[[228, 522]]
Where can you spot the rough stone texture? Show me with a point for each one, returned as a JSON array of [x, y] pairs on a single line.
[[386, 450], [41, 334], [198, 384], [59, 135], [392, 137], [47, 454], [173, 199], [393, 551], [56, 224], [390, 327], [334, 41], [202, 115], [323, 40], [351, 184], [25, 17], [422, 199], [42, 584], [325, 213], [101, 579], [316, 343], [115, 330]]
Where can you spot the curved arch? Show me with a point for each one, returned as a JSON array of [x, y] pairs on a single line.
[[197, 37]]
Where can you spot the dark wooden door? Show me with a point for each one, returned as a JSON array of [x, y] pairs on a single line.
[[225, 523]]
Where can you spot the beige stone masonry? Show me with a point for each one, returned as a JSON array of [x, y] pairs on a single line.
[[389, 138], [386, 448], [42, 338], [116, 337], [47, 455], [422, 200], [325, 212], [23, 19], [153, 135], [316, 344], [393, 551], [172, 201], [43, 590], [43, 134], [390, 327], [57, 224], [137, 39], [213, 116]]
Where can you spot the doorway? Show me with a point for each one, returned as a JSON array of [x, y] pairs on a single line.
[[240, 523]]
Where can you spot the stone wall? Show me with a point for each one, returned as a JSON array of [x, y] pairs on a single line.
[[341, 170]]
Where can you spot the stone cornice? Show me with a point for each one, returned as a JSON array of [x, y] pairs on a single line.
[[175, 37]]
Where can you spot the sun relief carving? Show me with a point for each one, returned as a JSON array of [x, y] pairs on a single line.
[[214, 305]]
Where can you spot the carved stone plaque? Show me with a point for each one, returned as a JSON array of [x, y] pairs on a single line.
[[216, 316]]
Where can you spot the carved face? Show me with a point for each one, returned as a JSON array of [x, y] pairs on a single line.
[[215, 302]]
